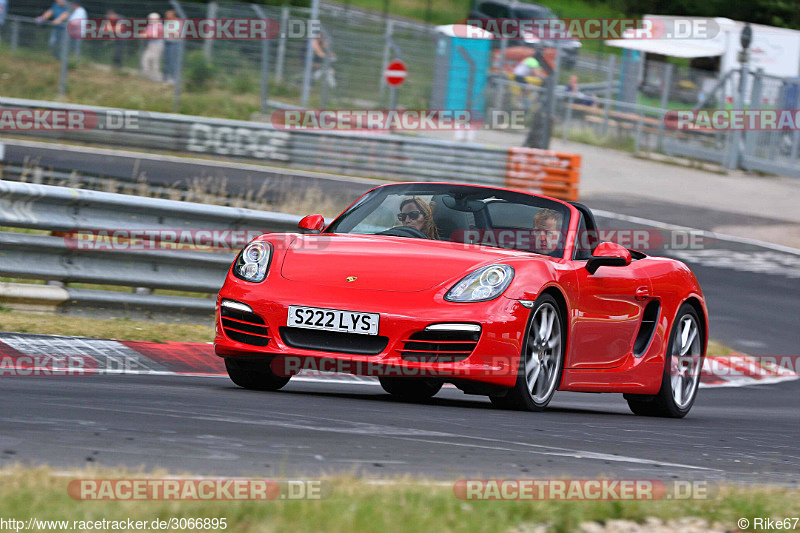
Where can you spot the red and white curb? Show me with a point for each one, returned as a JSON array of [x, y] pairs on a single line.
[[24, 354], [738, 370]]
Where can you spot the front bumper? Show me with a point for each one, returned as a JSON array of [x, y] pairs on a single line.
[[494, 360]]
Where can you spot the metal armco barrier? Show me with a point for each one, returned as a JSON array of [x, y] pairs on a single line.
[[50, 258], [396, 157], [44, 207], [59, 258], [544, 172]]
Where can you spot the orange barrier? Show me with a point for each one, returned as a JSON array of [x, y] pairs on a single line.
[[545, 172]]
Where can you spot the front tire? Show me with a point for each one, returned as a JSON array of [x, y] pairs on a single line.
[[410, 388], [541, 361], [682, 366], [254, 375]]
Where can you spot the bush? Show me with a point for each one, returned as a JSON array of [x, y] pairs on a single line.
[[198, 71], [244, 83]]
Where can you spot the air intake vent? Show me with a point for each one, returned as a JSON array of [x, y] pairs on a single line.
[[646, 330], [439, 346], [244, 327], [332, 341]]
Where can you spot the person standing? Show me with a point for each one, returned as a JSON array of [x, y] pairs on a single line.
[[151, 57], [58, 12], [111, 24], [3, 8], [322, 59], [171, 48], [76, 12]]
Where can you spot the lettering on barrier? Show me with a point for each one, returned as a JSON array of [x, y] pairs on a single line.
[[246, 142]]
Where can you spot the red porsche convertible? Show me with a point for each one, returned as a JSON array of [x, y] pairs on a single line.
[[501, 293]]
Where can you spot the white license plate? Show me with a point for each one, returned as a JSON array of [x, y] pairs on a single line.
[[333, 320]]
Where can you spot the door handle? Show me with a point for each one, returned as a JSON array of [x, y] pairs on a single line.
[[642, 293]]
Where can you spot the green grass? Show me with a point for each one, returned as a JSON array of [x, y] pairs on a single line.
[[405, 506], [588, 136], [24, 74], [118, 328]]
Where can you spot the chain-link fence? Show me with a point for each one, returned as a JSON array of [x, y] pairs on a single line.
[[617, 100], [359, 46], [776, 151], [357, 49]]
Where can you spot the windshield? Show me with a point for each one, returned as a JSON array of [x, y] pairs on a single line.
[[479, 216], [533, 13]]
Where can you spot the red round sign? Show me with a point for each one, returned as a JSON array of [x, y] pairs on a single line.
[[395, 73]]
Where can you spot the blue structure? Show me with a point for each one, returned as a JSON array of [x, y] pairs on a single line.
[[462, 61], [791, 94]]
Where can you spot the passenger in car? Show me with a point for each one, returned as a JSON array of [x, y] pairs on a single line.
[[546, 230], [417, 213]]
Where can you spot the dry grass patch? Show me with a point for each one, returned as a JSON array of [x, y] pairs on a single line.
[[396, 505]]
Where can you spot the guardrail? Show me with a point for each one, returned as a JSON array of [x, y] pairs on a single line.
[[244, 185], [397, 157], [60, 256]]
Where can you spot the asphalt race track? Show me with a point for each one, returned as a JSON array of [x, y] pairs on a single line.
[[207, 425]]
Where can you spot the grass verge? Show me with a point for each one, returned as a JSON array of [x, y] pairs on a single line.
[[26, 74], [118, 328], [400, 505]]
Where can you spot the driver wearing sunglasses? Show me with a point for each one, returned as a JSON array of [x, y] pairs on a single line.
[[417, 213]]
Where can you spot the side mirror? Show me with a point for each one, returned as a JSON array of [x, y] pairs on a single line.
[[608, 254], [311, 224]]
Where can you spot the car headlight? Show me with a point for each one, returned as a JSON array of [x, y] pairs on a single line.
[[253, 262], [484, 284]]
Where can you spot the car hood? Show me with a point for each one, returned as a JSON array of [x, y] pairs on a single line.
[[394, 264]]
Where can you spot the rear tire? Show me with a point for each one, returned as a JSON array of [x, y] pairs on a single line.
[[541, 361], [254, 375], [410, 388], [682, 365]]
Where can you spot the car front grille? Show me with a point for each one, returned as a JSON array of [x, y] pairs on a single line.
[[332, 341], [439, 346], [244, 327]]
